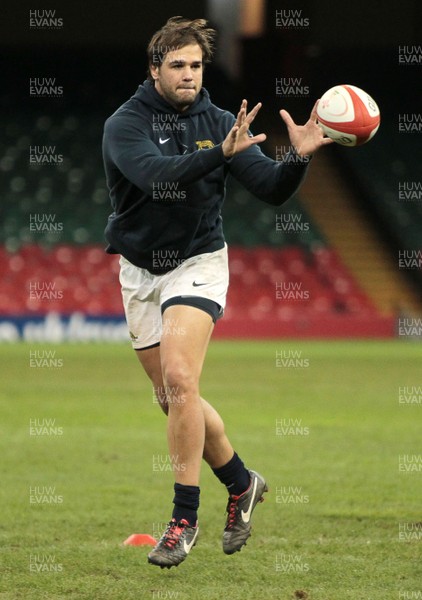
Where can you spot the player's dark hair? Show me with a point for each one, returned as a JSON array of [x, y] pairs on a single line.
[[179, 32]]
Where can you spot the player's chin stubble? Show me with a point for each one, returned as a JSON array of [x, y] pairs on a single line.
[[178, 99], [182, 101]]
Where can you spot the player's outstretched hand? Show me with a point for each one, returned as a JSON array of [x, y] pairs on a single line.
[[306, 139], [239, 138]]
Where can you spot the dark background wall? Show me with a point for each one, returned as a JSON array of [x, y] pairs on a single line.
[[109, 22], [125, 22], [101, 50]]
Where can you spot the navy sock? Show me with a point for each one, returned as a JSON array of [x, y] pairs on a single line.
[[234, 475], [186, 503]]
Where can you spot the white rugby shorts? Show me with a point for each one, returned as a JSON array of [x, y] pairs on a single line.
[[204, 276]]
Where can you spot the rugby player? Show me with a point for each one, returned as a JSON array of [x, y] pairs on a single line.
[[167, 152]]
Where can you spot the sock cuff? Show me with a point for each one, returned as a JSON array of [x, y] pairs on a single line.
[[233, 475], [228, 465], [186, 502], [187, 489]]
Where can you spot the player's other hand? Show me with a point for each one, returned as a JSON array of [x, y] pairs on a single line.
[[238, 138], [306, 139]]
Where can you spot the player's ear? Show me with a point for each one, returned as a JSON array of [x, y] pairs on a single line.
[[154, 70]]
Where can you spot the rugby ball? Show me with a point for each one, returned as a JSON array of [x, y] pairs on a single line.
[[348, 115]]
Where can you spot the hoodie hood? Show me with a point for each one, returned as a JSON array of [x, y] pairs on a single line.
[[148, 95]]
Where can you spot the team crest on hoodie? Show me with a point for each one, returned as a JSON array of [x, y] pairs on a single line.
[[204, 144]]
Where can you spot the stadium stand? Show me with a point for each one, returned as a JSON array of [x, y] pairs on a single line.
[[287, 275], [331, 201], [54, 216], [393, 188]]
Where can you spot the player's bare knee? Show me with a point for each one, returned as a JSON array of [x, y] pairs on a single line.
[[179, 382]]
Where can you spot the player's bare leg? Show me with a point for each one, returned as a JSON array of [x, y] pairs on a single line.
[[217, 448], [184, 342], [185, 335], [217, 451]]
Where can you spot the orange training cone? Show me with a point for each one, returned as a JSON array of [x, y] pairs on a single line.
[[140, 539]]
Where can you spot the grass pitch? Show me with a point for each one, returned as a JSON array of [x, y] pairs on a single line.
[[330, 431]]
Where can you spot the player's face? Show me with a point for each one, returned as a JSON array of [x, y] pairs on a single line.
[[179, 78]]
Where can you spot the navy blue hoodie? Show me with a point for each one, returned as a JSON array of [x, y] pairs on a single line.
[[166, 175]]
